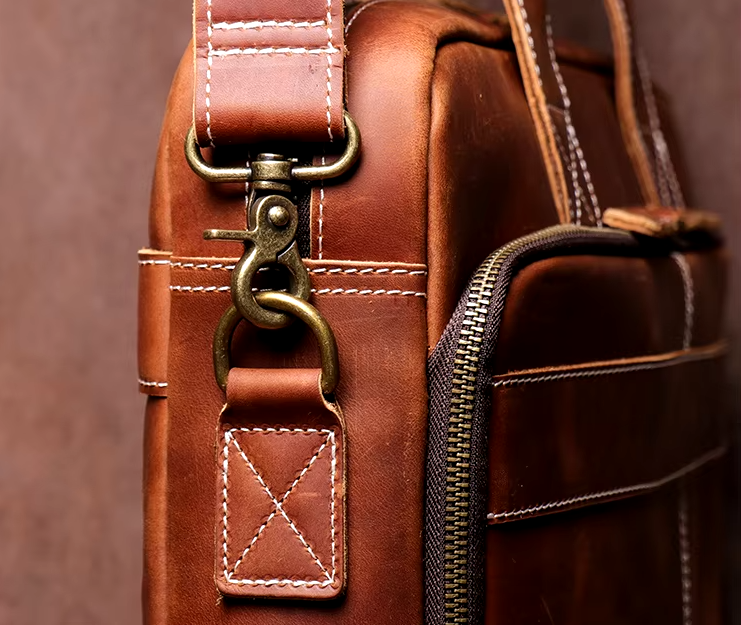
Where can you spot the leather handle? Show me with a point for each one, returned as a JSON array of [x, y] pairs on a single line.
[[549, 105], [269, 70]]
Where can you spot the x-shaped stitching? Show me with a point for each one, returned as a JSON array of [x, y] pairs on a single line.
[[278, 504]]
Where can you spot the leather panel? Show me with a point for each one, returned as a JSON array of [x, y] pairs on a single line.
[[628, 307], [154, 587], [466, 218], [616, 563], [382, 347], [604, 430]]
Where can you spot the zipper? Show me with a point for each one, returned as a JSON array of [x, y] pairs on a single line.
[[460, 365]]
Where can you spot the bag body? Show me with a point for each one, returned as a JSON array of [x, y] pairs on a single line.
[[530, 427]]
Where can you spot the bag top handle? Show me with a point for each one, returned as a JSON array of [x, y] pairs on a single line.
[[546, 93], [268, 71]]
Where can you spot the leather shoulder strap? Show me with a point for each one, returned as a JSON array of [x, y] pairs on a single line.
[[549, 103], [268, 71]]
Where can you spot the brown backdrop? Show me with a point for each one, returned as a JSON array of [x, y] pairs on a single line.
[[83, 85]]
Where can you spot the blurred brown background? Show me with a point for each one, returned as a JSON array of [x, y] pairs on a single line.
[[83, 86]]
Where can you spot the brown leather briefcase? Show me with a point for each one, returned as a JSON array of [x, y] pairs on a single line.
[[427, 332]]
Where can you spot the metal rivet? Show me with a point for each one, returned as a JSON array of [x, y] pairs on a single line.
[[279, 216]]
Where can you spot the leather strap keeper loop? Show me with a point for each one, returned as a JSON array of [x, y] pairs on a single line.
[[268, 71]]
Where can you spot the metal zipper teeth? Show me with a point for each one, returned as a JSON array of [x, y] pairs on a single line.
[[465, 373]]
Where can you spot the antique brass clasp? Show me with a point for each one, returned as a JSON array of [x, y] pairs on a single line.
[[270, 240], [302, 173], [298, 309]]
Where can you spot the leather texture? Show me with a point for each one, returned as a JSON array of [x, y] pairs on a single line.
[[451, 169], [154, 312], [268, 71], [280, 522]]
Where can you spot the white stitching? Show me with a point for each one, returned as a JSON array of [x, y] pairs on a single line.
[[200, 289], [646, 486], [330, 46], [260, 24], [154, 262], [575, 206], [226, 289], [228, 438], [282, 501], [671, 190], [590, 373], [359, 11], [369, 270], [530, 40], [210, 63], [223, 52], [689, 297], [332, 505], [685, 561], [149, 384], [330, 270], [202, 266], [295, 583], [574, 144]]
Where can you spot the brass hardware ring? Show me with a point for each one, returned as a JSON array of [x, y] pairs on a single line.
[[294, 306], [302, 173]]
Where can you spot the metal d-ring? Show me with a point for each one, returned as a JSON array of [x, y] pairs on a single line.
[[301, 173], [289, 304]]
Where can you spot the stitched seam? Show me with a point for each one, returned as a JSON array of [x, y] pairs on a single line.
[[229, 438], [646, 486], [359, 11], [332, 505], [286, 51], [278, 508], [380, 270], [575, 206], [209, 67], [671, 190], [653, 130], [689, 297], [685, 561], [151, 384], [333, 270], [574, 144], [154, 262], [330, 46], [589, 373], [282, 500], [364, 292], [536, 110], [260, 24]]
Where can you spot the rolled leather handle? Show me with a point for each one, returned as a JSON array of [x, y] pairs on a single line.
[[268, 71], [530, 31]]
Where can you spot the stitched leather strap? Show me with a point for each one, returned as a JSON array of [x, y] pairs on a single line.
[[269, 70], [549, 102]]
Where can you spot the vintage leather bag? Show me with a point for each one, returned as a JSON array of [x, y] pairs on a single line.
[[498, 401]]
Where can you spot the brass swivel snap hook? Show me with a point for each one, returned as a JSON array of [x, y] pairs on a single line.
[[273, 222]]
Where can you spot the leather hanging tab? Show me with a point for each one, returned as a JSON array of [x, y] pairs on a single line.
[[268, 71], [280, 522]]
